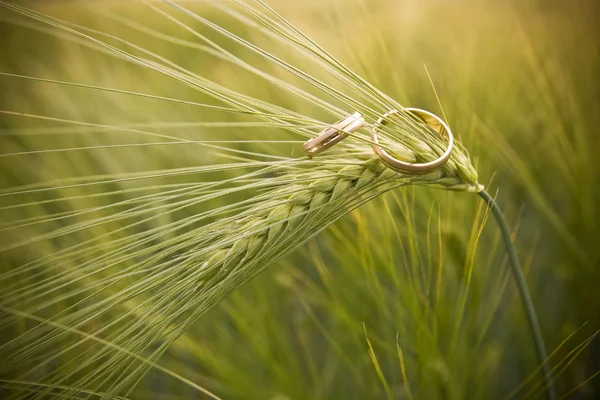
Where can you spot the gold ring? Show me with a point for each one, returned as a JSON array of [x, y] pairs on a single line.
[[334, 134], [433, 121]]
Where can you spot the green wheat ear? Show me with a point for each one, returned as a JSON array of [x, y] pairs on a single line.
[[141, 291], [211, 262]]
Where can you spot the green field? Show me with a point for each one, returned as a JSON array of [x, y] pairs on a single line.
[[163, 236]]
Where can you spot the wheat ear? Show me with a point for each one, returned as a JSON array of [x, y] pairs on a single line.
[[192, 272]]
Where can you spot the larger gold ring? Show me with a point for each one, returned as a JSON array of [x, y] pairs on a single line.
[[432, 120]]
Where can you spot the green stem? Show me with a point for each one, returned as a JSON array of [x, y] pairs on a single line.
[[524, 291]]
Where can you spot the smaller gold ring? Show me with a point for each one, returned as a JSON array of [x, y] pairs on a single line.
[[333, 134], [432, 120]]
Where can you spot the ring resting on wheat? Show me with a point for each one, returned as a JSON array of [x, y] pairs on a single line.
[[433, 121], [332, 135]]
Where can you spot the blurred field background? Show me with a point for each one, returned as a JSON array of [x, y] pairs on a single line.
[[418, 271]]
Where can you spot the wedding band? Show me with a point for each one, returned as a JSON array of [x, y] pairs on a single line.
[[333, 134], [433, 121]]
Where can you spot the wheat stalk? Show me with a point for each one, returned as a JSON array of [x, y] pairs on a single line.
[[200, 267]]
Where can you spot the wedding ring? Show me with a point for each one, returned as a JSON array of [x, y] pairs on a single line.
[[433, 121], [333, 134]]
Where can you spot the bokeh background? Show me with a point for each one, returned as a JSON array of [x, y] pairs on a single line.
[[518, 82]]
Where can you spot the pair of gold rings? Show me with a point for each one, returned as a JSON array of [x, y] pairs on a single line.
[[341, 129]]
